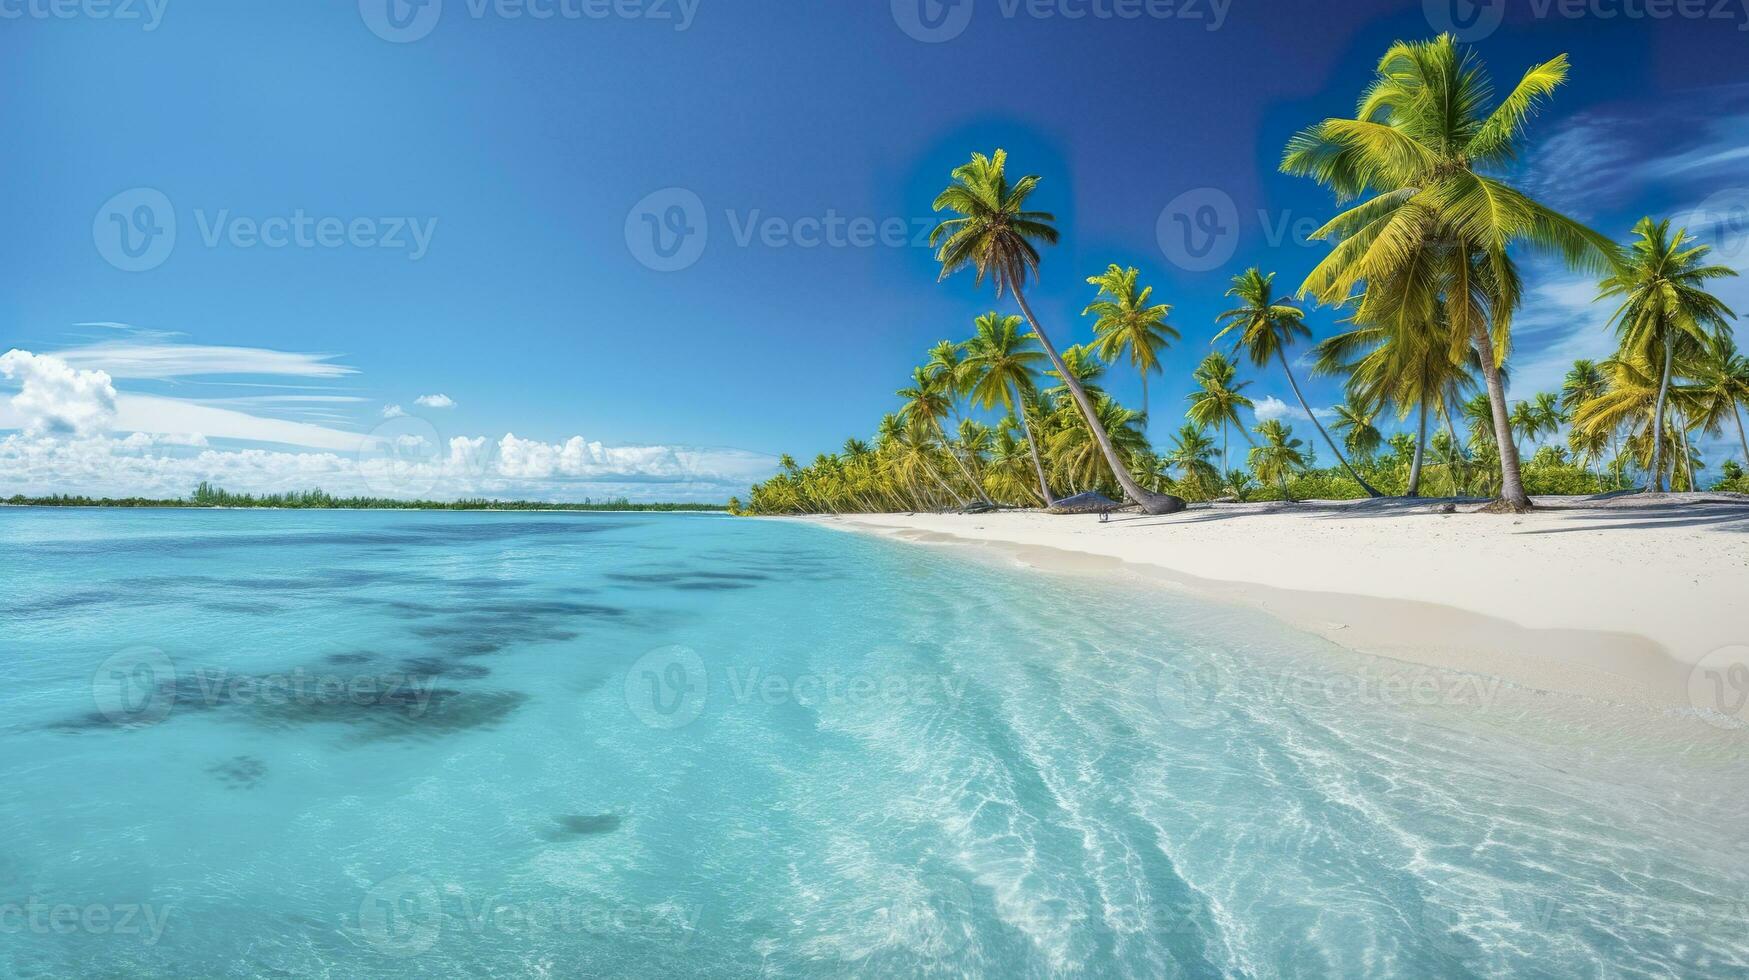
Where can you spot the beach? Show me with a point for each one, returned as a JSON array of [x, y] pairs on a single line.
[[1617, 600]]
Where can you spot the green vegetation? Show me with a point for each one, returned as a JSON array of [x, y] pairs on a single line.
[[207, 495], [1424, 271]]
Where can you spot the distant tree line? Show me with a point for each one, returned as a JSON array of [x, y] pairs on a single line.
[[207, 495]]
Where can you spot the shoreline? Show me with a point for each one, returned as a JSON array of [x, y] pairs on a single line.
[[1615, 601]]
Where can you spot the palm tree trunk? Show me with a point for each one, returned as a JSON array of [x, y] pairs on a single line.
[[1456, 452], [1414, 489], [1281, 355], [1511, 476], [1687, 456], [1147, 417], [1657, 485], [1038, 466], [930, 468], [1152, 503], [945, 444]]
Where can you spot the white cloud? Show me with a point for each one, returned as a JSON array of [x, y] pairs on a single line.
[[56, 399], [1270, 407], [158, 361], [394, 412], [435, 401]]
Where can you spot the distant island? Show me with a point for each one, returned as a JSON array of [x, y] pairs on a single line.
[[207, 495]]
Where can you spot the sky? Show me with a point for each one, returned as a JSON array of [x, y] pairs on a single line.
[[570, 249]]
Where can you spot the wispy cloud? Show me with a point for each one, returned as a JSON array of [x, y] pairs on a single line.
[[134, 360]]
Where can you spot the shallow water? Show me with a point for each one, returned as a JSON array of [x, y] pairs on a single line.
[[430, 744]]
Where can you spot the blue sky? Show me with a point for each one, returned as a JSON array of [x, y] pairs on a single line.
[[372, 205]]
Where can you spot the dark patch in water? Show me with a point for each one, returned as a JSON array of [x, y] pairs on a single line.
[[439, 667], [582, 825], [347, 658], [241, 772], [435, 534], [244, 608], [690, 580]]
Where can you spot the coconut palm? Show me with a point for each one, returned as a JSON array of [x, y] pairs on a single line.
[[1218, 398], [1125, 323], [1665, 306], [1359, 434], [1190, 452], [926, 403], [1000, 370], [1439, 228], [1265, 330], [1722, 375], [1078, 454], [1278, 456], [995, 235]]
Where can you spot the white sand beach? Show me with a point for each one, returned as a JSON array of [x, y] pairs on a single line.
[[1617, 600]]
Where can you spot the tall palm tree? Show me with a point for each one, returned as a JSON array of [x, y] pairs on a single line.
[[1218, 398], [1439, 228], [1000, 367], [1266, 329], [994, 234], [1664, 305], [1126, 323], [1278, 456], [926, 403]]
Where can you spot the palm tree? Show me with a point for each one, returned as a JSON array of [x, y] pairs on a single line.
[[1126, 323], [1266, 330], [1525, 424], [1279, 455], [926, 402], [1438, 228], [1078, 455], [1662, 287], [1218, 398], [993, 233], [1359, 434], [1000, 366], [1723, 377], [1190, 452]]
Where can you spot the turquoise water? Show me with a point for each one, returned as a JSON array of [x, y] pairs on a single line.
[[417, 744]]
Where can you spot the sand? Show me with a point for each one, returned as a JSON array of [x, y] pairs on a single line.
[[1630, 600]]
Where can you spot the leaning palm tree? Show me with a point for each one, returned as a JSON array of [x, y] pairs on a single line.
[[1665, 305], [1266, 329], [1218, 398], [1000, 366], [1278, 456], [1125, 323], [1439, 228], [994, 234]]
